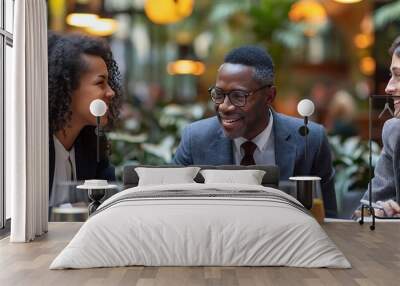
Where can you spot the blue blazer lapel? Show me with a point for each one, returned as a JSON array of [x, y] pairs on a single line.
[[221, 150], [285, 148]]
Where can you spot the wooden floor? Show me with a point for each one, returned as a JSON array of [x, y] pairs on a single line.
[[374, 255]]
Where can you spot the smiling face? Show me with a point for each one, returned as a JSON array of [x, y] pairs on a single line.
[[250, 120], [393, 86], [93, 85]]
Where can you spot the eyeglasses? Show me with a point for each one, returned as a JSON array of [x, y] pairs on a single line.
[[236, 97]]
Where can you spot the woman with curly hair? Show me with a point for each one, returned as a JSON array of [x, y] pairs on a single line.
[[81, 69]]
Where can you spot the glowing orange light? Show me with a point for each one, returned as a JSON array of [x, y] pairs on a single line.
[[367, 66], [168, 11], [309, 11], [186, 67], [367, 24], [363, 41]]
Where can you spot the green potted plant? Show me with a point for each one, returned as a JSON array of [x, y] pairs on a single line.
[[351, 162]]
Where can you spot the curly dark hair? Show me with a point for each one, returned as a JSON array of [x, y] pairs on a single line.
[[65, 67]]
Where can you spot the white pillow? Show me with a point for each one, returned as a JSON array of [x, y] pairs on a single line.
[[248, 177], [163, 176]]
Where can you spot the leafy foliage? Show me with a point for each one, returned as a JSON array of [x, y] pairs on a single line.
[[155, 138], [386, 14], [351, 162], [271, 25]]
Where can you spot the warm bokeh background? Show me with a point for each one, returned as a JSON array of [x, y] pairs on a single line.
[[333, 53]]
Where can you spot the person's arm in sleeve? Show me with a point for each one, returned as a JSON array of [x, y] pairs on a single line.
[[383, 183], [183, 154]]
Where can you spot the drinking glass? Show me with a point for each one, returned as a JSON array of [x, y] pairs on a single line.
[[308, 192]]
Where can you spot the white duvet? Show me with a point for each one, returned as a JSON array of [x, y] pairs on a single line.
[[224, 225]]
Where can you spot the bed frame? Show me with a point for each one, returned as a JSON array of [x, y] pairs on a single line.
[[270, 179]]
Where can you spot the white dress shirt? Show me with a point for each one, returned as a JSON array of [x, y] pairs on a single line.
[[265, 151], [63, 176]]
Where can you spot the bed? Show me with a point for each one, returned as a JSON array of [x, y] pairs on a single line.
[[201, 223]]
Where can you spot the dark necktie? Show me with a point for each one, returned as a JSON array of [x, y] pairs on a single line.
[[249, 148]]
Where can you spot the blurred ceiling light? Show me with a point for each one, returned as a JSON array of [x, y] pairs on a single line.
[[181, 67], [367, 66], [347, 1], [367, 24], [363, 41], [103, 27], [168, 11], [82, 20], [309, 11]]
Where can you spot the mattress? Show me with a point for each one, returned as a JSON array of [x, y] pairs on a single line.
[[201, 225]]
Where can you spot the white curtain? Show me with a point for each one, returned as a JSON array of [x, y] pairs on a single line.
[[27, 123]]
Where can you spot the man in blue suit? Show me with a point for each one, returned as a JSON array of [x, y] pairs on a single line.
[[247, 131]]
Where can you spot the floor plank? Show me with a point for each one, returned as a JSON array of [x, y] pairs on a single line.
[[374, 255]]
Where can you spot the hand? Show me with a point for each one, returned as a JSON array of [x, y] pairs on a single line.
[[390, 209]]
